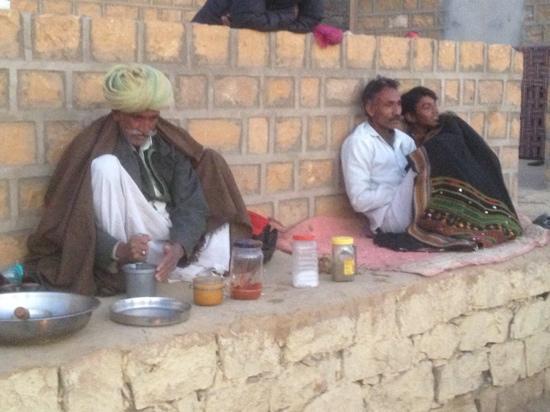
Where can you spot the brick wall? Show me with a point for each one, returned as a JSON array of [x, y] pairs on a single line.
[[275, 104], [536, 26]]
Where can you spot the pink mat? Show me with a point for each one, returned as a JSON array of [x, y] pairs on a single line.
[[372, 257]]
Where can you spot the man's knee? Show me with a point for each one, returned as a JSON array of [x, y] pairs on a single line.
[[105, 165]]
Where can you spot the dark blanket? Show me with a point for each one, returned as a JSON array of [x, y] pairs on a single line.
[[460, 199], [62, 249]]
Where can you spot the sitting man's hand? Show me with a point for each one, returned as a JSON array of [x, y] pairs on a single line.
[[134, 251], [173, 252]]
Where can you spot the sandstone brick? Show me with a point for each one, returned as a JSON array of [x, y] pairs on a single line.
[[393, 53], [30, 6], [490, 92], [57, 6], [164, 372], [288, 134], [317, 133], [342, 92], [171, 15], [252, 48], [18, 144], [88, 90], [279, 92], [150, 14], [58, 135], [387, 5], [289, 49], [360, 50], [435, 85], [279, 177], [460, 375], [439, 343], [339, 130], [333, 205], [346, 393], [452, 92], [121, 11], [423, 54], [516, 397], [469, 92], [39, 89], [309, 91], [93, 383], [398, 21], [446, 55], [410, 4], [30, 390], [4, 89], [191, 92], [477, 121], [247, 178], [499, 58], [113, 40], [528, 320], [513, 93], [57, 37], [430, 4], [515, 125], [496, 122], [292, 211], [325, 58], [472, 56], [370, 24], [223, 398], [517, 62], [31, 195], [220, 134], [164, 41], [365, 6], [89, 9], [265, 209], [4, 199], [480, 328], [12, 247], [464, 403], [407, 84], [509, 158], [258, 135], [316, 173], [507, 363], [236, 91]]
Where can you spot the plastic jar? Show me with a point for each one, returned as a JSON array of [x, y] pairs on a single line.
[[246, 269], [305, 267], [343, 259], [208, 290]]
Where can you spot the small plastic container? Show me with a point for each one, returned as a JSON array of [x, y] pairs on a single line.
[[305, 266], [343, 259], [246, 269], [14, 274], [208, 290]]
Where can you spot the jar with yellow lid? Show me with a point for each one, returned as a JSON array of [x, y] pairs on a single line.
[[208, 290], [343, 259]]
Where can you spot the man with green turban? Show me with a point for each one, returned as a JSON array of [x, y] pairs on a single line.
[[137, 189]]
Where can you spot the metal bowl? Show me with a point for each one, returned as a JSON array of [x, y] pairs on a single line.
[[50, 315], [149, 311]]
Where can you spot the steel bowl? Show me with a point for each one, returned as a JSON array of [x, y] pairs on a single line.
[[49, 315]]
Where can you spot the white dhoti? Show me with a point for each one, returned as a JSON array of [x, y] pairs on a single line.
[[122, 211], [399, 213]]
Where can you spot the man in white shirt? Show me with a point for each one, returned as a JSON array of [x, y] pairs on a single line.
[[374, 161]]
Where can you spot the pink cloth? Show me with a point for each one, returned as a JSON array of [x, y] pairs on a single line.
[[326, 35]]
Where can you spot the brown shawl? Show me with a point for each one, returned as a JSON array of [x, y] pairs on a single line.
[[62, 249]]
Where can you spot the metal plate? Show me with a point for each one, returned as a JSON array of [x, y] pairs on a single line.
[[149, 311]]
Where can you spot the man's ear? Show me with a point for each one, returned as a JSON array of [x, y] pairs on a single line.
[[369, 109]]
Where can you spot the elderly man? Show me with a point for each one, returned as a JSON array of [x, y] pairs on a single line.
[[132, 187], [374, 161]]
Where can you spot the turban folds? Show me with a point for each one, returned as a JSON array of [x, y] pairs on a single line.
[[134, 88]]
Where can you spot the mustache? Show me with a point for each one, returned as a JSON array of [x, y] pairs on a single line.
[[136, 132]]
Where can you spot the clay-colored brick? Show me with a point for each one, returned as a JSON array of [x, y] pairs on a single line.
[[279, 92], [490, 91], [513, 93], [434, 84], [247, 178], [423, 21], [316, 173], [220, 134], [517, 62], [333, 205], [11, 34], [399, 21], [509, 158], [365, 6], [496, 125], [121, 11], [265, 209], [88, 90], [89, 9], [325, 58], [309, 92], [288, 134], [210, 45], [469, 92], [499, 58], [236, 91], [446, 55], [57, 37], [515, 127], [4, 199], [41, 89], [30, 6], [472, 56], [477, 121], [57, 6], [164, 41], [58, 136], [369, 24], [113, 40], [387, 5], [360, 50], [408, 84], [258, 135], [339, 130], [394, 53], [4, 91], [293, 211], [191, 92], [12, 248], [150, 14], [252, 48], [317, 133], [31, 195], [410, 4], [342, 92], [170, 15], [452, 92], [289, 49], [18, 144], [430, 4], [423, 54], [279, 177]]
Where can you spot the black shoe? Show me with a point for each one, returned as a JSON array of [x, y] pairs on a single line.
[[543, 220]]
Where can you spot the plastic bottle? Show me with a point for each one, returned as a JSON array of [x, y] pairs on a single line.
[[305, 267], [14, 274]]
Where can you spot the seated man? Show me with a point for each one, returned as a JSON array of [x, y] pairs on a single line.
[[132, 187], [299, 16], [374, 161]]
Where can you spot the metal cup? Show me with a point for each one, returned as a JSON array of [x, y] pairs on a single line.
[[140, 279]]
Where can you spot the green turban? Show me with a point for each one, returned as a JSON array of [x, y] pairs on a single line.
[[134, 88]]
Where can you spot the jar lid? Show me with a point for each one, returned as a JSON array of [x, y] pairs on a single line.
[[248, 243], [342, 240], [208, 282], [303, 236]]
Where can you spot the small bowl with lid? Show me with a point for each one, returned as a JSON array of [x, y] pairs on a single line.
[[208, 290]]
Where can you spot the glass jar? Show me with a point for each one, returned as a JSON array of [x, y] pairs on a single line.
[[343, 259], [208, 290], [246, 269], [305, 267]]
